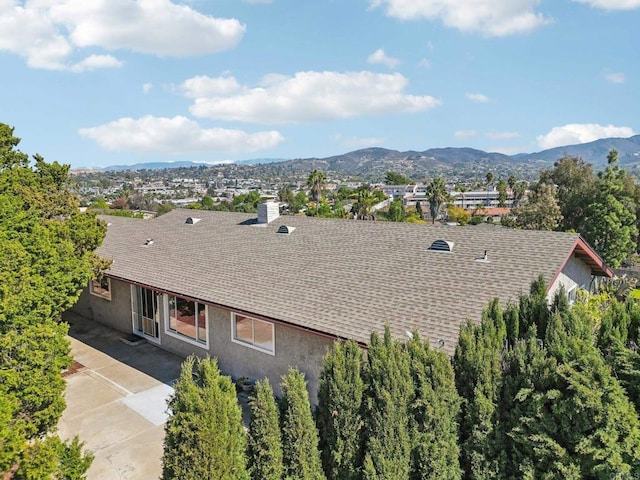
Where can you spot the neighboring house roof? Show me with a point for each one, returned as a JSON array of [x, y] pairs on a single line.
[[493, 211], [343, 278]]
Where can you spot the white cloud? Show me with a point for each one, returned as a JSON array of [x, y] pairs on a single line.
[[379, 57], [425, 63], [575, 133], [357, 142], [612, 4], [203, 86], [177, 135], [616, 77], [494, 18], [48, 32], [146, 88], [502, 135], [477, 97], [257, 1], [465, 134], [96, 61], [307, 96]]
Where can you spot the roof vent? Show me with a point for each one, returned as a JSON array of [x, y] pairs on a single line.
[[191, 220], [484, 258], [148, 242], [285, 229], [441, 246]]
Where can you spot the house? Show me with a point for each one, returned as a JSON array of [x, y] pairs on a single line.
[[263, 294], [492, 214]]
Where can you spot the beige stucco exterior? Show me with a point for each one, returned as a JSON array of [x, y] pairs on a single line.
[[575, 274], [294, 347]]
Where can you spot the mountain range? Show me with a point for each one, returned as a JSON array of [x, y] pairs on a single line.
[[374, 162]]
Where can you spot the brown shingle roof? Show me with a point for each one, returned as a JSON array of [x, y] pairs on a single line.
[[344, 278]]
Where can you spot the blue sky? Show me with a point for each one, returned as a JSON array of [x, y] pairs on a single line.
[[104, 82]]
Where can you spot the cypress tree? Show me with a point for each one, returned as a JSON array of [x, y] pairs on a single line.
[[389, 390], [299, 434], [565, 415], [478, 368], [265, 439], [204, 436], [339, 416], [618, 341], [531, 448], [574, 416], [434, 410], [534, 309]]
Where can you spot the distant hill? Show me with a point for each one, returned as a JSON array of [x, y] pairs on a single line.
[[260, 161], [156, 166], [373, 163], [592, 152]]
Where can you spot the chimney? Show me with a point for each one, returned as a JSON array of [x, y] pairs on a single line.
[[268, 212]]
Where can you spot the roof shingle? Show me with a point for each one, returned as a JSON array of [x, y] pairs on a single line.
[[344, 278]]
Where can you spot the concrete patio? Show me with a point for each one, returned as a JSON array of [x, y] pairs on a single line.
[[116, 400]]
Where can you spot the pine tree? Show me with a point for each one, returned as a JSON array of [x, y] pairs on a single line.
[[610, 220], [339, 417], [434, 411], [265, 439], [389, 390], [299, 434], [204, 435], [540, 210]]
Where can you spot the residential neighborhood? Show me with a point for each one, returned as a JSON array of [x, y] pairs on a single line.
[[284, 240]]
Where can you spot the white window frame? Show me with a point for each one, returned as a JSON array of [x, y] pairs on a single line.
[[135, 331], [98, 294], [179, 336], [572, 292], [248, 344]]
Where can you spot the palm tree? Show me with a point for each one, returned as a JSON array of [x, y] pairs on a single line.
[[315, 182], [489, 182], [366, 200], [436, 196]]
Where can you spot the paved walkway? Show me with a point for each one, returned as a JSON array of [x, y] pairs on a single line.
[[116, 401]]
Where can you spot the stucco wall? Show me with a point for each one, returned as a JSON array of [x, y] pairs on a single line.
[[575, 273], [293, 347], [115, 313]]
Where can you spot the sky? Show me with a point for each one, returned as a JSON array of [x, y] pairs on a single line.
[[94, 83]]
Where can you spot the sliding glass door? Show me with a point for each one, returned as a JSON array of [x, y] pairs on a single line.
[[145, 312]]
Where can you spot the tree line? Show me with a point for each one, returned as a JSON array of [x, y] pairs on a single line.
[[602, 207], [534, 391]]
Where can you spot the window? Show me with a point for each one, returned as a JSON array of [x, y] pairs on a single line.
[[101, 288], [253, 332], [187, 318], [572, 295]]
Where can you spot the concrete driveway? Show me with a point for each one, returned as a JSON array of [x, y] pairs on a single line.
[[116, 401]]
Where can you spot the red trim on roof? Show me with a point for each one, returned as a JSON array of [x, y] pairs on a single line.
[[582, 250]]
